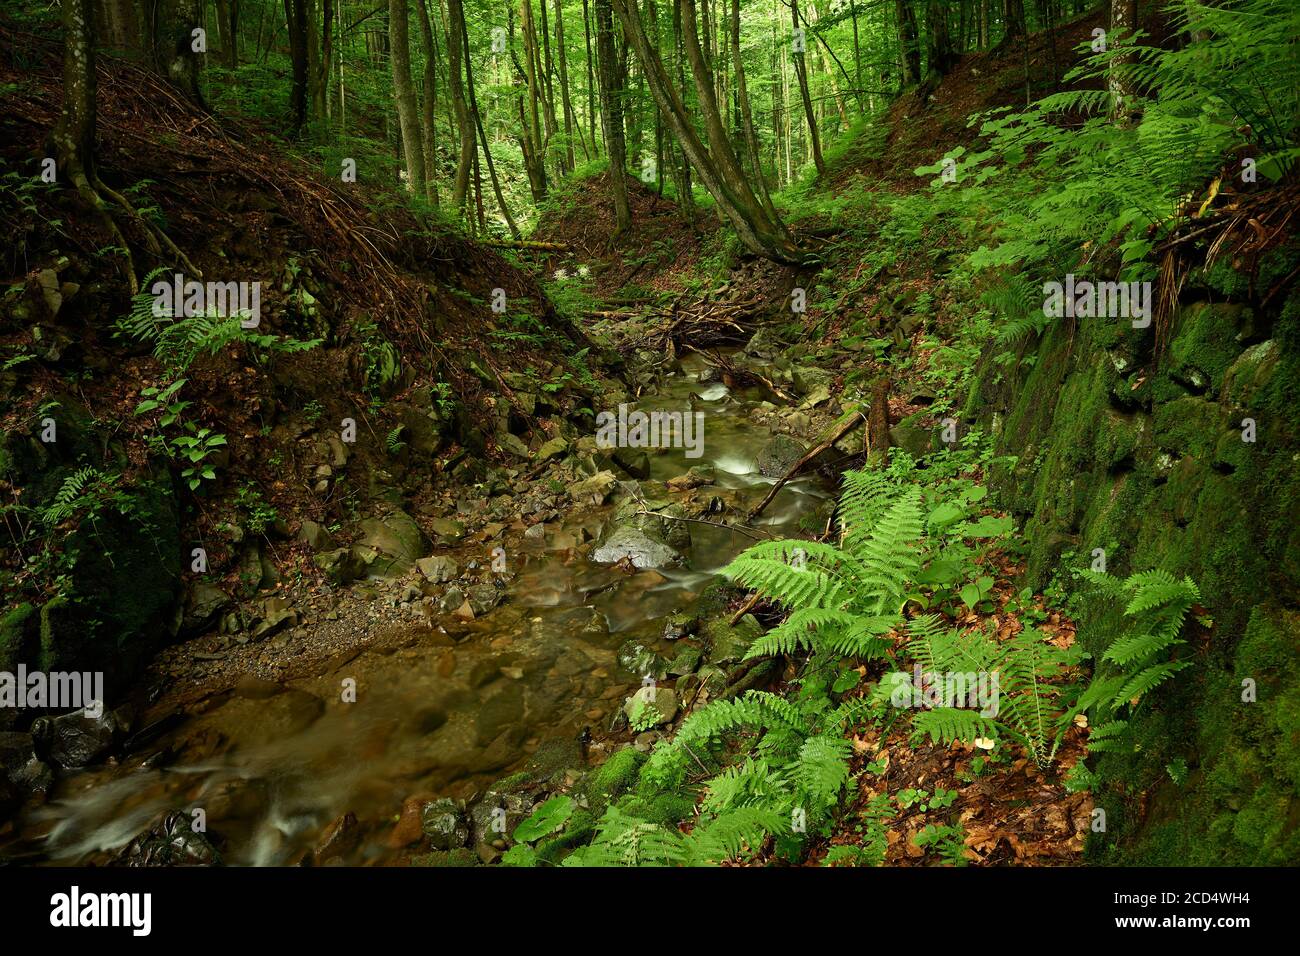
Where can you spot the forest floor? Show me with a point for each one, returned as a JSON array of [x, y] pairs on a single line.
[[671, 286]]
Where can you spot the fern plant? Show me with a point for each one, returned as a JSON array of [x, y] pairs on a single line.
[[1137, 660], [1029, 703], [842, 599]]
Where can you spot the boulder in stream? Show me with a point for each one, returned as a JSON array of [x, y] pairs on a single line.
[[778, 456], [638, 547]]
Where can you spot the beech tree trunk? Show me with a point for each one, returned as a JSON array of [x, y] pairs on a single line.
[[455, 27], [611, 113], [755, 230], [408, 118], [296, 14], [801, 72]]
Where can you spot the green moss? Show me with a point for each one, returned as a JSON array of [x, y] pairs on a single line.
[[579, 829], [612, 778], [460, 857], [16, 633], [1205, 344]]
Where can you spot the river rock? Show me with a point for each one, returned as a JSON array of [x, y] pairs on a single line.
[[203, 605], [806, 380], [339, 839], [594, 490], [494, 818], [635, 658], [778, 456], [728, 644], [390, 546], [443, 822], [438, 568], [662, 699], [172, 841], [638, 547], [76, 740], [635, 462]]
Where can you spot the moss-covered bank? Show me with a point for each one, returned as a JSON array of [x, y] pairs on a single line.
[[1182, 458]]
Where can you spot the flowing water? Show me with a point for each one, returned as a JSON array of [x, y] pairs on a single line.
[[439, 714]]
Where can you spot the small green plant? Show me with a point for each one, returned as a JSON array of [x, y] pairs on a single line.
[[947, 841]]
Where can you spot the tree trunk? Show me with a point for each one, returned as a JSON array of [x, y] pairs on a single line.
[[611, 114], [482, 136], [939, 52], [746, 114], [909, 49], [566, 102], [456, 26], [296, 14], [801, 72], [429, 105], [408, 118], [1123, 21], [755, 231]]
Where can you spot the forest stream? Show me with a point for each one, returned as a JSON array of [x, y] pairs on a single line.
[[443, 714]]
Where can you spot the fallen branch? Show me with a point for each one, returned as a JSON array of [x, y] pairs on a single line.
[[525, 244], [716, 524], [845, 427]]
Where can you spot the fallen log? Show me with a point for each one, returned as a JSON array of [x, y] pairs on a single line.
[[526, 244], [839, 431]]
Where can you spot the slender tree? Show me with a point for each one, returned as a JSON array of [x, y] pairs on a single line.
[[611, 114], [464, 129]]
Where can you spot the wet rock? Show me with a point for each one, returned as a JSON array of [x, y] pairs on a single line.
[[639, 660], [170, 842], [448, 531], [635, 462], [728, 644], [637, 547], [657, 517], [663, 700], [694, 478], [203, 605], [314, 536], [251, 687], [494, 818], [76, 740], [444, 823], [536, 532], [778, 456], [21, 770], [438, 569], [594, 490], [339, 839], [687, 660], [484, 597], [390, 546], [680, 625], [764, 344]]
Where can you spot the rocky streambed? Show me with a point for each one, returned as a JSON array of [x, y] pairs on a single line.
[[490, 676]]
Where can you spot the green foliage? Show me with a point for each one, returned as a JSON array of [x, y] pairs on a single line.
[[1137, 659], [1029, 704], [545, 820]]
